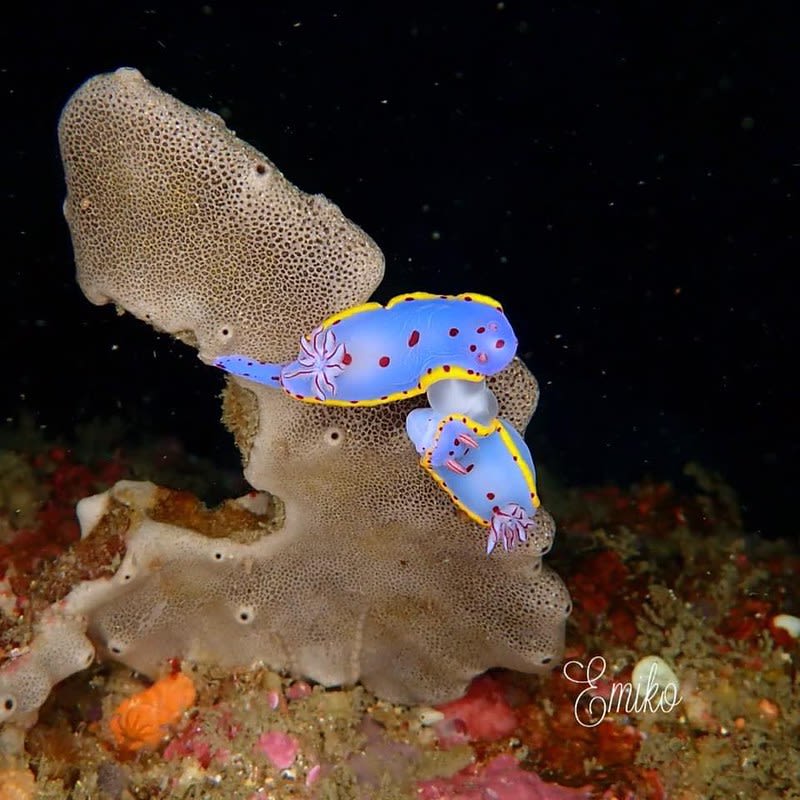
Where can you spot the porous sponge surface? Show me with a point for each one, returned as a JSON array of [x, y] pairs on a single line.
[[193, 230], [411, 614]]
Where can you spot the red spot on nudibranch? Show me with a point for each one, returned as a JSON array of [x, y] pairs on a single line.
[[383, 361], [499, 344], [446, 368], [347, 359], [468, 299], [469, 467], [413, 338], [481, 330], [490, 495], [453, 331]]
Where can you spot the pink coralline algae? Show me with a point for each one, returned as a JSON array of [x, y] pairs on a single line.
[[483, 712], [298, 690], [280, 748], [501, 779]]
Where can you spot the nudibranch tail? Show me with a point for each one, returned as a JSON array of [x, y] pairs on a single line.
[[258, 371], [421, 425]]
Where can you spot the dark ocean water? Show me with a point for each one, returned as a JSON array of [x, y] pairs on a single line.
[[624, 182]]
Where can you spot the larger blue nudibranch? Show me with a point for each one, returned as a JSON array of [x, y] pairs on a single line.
[[373, 354]]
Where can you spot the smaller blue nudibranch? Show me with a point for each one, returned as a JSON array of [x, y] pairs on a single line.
[[373, 354], [488, 472]]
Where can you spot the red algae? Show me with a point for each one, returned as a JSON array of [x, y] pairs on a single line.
[[280, 748], [63, 482], [483, 711], [606, 596], [500, 779]]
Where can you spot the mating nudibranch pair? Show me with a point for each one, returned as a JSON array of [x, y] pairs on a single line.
[[444, 345]]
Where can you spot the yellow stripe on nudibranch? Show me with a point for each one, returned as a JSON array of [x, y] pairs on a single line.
[[468, 296], [404, 298], [436, 374], [333, 319], [521, 463], [348, 312]]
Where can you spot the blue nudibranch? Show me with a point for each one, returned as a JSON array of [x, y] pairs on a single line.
[[372, 354], [444, 345], [487, 470]]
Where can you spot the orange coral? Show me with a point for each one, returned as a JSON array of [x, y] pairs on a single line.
[[143, 720]]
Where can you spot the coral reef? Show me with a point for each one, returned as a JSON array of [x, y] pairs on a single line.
[[348, 565], [653, 571]]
